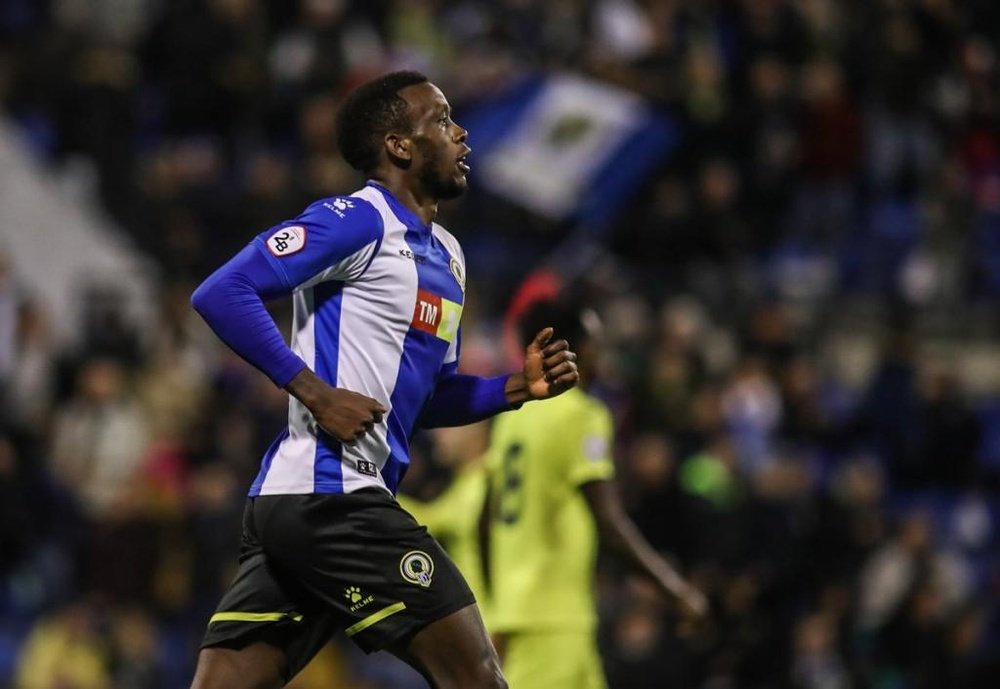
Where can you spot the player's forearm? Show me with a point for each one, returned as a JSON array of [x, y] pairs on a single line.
[[620, 534], [628, 543], [459, 400], [231, 302], [307, 387]]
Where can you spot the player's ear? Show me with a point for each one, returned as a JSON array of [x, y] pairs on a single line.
[[399, 148]]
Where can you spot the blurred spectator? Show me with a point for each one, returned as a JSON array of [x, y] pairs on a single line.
[[817, 663], [712, 477], [951, 432], [890, 410], [832, 138], [99, 441], [751, 408], [99, 455], [771, 147], [968, 663], [642, 653], [31, 390], [106, 329], [911, 575], [17, 533], [65, 650], [134, 652], [651, 492], [849, 522]]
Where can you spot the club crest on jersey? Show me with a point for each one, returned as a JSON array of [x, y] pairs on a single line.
[[456, 270], [436, 315], [287, 241], [417, 567]]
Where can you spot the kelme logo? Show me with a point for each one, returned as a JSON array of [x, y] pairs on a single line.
[[356, 599]]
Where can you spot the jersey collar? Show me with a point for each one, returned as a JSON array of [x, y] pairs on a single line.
[[404, 214]]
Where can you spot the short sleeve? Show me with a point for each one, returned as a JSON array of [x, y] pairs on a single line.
[[333, 239], [591, 456]]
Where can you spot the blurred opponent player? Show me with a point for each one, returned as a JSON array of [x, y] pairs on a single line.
[[378, 290], [551, 496]]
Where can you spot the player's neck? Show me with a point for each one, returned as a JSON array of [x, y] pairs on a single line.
[[423, 206]]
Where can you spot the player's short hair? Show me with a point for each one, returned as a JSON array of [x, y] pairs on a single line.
[[566, 318], [371, 111]]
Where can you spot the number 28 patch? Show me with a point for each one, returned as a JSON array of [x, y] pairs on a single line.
[[287, 241]]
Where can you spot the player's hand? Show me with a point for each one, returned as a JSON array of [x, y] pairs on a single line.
[[693, 603], [344, 414], [693, 610], [549, 366], [347, 415]]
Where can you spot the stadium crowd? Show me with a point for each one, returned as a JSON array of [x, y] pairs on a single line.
[[801, 308]]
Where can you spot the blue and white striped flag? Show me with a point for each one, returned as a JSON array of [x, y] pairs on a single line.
[[567, 147]]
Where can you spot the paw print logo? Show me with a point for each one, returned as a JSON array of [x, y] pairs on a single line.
[[343, 204], [352, 593]]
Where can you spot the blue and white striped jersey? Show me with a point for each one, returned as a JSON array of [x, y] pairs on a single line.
[[378, 298]]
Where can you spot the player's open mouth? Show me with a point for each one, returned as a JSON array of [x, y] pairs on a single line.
[[462, 165]]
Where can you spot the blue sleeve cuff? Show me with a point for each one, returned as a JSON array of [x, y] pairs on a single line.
[[282, 375], [459, 400], [496, 395]]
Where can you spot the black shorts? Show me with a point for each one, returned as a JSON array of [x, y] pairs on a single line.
[[314, 564]]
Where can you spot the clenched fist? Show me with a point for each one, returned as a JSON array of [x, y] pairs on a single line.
[[549, 370], [344, 414], [549, 367]]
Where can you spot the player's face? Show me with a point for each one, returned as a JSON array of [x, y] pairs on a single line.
[[439, 158]]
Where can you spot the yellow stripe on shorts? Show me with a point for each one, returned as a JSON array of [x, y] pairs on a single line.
[[375, 617], [255, 617]]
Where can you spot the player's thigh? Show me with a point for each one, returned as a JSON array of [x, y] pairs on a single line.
[[454, 652], [553, 660], [252, 648], [258, 665]]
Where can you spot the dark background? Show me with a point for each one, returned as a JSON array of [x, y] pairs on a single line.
[[801, 304]]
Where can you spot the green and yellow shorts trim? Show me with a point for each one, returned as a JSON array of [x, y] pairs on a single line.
[[255, 617], [313, 565], [298, 617]]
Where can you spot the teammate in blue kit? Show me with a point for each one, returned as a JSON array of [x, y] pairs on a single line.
[[378, 290]]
